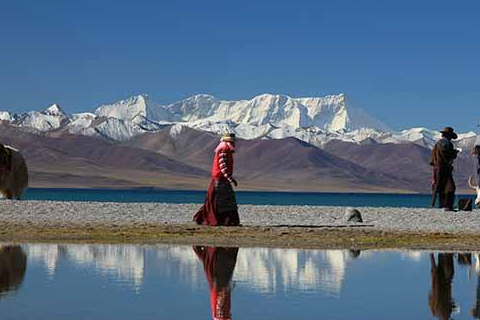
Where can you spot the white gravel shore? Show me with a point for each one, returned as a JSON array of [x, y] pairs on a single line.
[[387, 218]]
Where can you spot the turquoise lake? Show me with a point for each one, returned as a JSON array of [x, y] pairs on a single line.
[[243, 197]]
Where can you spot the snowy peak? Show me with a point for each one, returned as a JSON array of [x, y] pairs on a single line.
[[54, 110], [79, 121], [6, 116], [51, 118], [194, 108], [133, 109], [275, 109], [335, 113]]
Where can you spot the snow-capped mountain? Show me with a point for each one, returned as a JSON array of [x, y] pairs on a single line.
[[135, 109], [49, 119], [316, 120], [81, 121], [331, 113], [5, 116], [116, 129]]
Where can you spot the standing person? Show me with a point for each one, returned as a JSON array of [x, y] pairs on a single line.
[[220, 207], [476, 153], [443, 154]]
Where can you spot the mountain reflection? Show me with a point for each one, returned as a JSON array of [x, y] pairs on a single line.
[[265, 270], [218, 264], [13, 265], [125, 262]]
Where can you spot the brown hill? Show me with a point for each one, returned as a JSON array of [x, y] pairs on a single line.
[[181, 159], [187, 145], [81, 161], [406, 161], [284, 164]]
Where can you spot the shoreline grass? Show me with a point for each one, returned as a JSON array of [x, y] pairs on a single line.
[[248, 236]]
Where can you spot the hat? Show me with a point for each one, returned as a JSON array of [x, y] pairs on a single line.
[[448, 131], [228, 137]]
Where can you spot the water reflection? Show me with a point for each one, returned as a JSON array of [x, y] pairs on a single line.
[[354, 253], [475, 310], [125, 262], [218, 264], [264, 270], [440, 297], [13, 265], [442, 271], [284, 281]]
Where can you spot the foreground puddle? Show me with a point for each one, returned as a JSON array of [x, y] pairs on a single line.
[[48, 281]]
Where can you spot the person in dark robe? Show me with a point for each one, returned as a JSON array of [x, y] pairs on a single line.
[[440, 296], [220, 206], [476, 154], [13, 264], [218, 264], [442, 156]]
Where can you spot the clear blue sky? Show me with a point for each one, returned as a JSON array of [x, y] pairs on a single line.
[[408, 63]]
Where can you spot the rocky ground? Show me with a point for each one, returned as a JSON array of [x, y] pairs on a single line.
[[282, 226]]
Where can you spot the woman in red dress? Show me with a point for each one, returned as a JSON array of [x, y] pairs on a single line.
[[219, 264], [220, 207]]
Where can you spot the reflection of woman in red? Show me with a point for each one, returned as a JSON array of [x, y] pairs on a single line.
[[218, 264]]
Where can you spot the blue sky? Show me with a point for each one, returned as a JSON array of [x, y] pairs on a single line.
[[408, 63]]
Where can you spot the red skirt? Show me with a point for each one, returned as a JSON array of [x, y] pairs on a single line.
[[220, 207]]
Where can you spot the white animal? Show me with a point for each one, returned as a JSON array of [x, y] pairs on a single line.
[[476, 188]]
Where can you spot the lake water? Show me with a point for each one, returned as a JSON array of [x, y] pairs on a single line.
[[243, 197], [49, 281]]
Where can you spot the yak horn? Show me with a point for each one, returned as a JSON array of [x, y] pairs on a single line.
[[470, 183]]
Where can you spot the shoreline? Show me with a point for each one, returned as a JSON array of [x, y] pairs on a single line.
[[463, 192], [310, 227]]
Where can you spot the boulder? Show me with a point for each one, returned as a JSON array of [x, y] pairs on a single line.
[[353, 215]]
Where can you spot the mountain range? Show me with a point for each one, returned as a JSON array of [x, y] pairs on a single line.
[[319, 143]]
